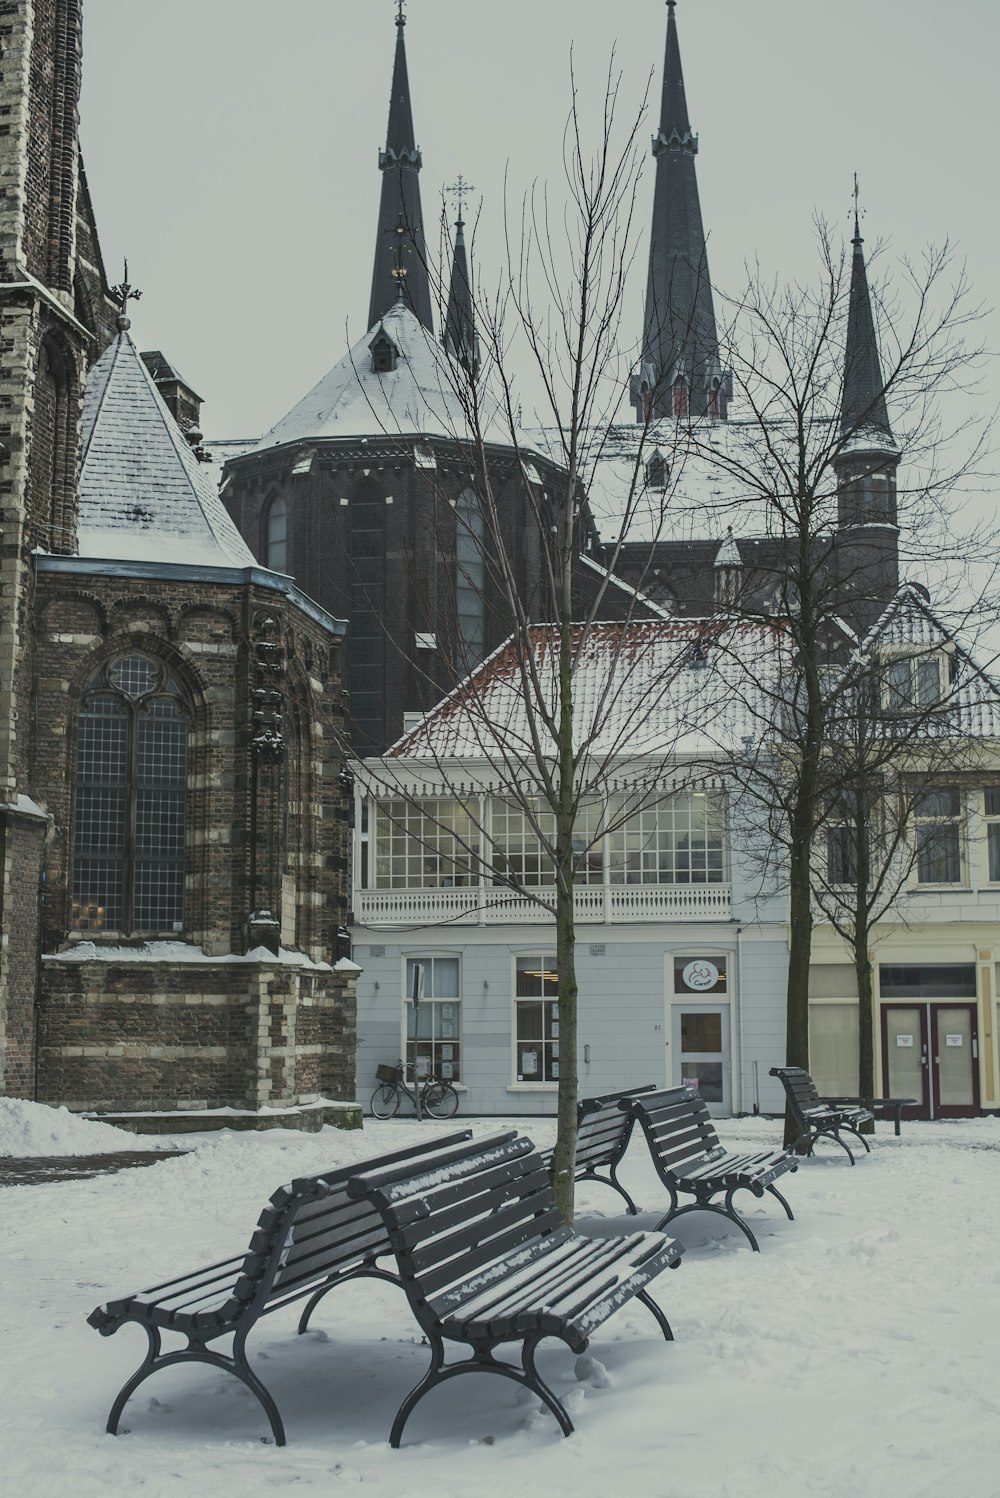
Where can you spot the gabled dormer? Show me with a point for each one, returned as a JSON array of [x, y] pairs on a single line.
[[385, 354]]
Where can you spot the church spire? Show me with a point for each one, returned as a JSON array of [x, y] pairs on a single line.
[[460, 338], [400, 251], [863, 407], [680, 372]]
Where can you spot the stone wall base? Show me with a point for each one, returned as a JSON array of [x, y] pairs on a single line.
[[309, 1119], [153, 1036]]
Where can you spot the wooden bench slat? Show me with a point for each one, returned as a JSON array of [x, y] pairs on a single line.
[[817, 1118], [689, 1158], [310, 1236], [485, 1259]]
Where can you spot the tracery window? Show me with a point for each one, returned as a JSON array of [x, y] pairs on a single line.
[[131, 791]]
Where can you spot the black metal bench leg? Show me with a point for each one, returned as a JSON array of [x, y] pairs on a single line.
[[727, 1212], [482, 1361], [832, 1134], [198, 1353], [658, 1315], [788, 1211], [858, 1135], [629, 1203], [357, 1274], [434, 1375]]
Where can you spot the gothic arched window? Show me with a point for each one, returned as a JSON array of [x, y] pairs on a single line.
[[276, 534], [470, 580], [131, 792]]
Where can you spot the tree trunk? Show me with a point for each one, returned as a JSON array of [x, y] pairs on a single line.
[[799, 951]]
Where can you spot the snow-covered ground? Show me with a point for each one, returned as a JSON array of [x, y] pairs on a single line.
[[856, 1355]]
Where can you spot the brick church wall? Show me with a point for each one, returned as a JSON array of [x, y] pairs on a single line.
[[22, 843], [141, 1036]]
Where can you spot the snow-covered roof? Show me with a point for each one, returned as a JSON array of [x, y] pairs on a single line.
[[353, 399], [143, 494], [646, 689], [700, 490]]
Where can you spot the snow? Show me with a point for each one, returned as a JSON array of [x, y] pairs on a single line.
[[855, 1355], [32, 1130], [177, 951]]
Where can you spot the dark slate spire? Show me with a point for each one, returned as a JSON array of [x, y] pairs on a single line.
[[680, 371], [460, 321], [863, 408], [400, 252]]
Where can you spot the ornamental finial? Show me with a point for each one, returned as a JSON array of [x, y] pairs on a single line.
[[400, 12], [460, 190], [124, 294]]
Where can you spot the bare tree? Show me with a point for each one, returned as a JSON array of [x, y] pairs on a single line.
[[834, 496]]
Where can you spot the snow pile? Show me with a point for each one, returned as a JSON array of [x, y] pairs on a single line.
[[855, 1355], [31, 1130]]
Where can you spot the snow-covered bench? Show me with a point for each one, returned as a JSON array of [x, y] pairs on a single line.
[[816, 1117], [689, 1159], [486, 1259], [603, 1130], [309, 1238]]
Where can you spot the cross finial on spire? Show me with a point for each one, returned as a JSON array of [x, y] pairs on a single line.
[[858, 212], [460, 189], [124, 294], [400, 12]]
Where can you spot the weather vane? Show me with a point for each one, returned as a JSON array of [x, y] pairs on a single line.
[[460, 190], [125, 293], [859, 212], [400, 12]]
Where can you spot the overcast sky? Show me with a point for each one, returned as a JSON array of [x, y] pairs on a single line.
[[232, 148]]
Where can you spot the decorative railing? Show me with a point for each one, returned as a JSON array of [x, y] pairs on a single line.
[[595, 905]]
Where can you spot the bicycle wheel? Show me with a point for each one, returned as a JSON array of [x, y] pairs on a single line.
[[440, 1100], [385, 1100]]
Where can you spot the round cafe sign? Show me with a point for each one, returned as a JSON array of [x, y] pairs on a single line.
[[701, 975]]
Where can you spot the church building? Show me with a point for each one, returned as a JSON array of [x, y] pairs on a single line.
[[174, 817]]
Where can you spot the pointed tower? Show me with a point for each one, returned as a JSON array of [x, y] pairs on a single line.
[[680, 373], [400, 250], [868, 457], [459, 337], [866, 462]]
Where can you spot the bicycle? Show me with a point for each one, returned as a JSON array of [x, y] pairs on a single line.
[[438, 1098]]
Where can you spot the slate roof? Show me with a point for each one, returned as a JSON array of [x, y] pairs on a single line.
[[418, 396], [143, 494]]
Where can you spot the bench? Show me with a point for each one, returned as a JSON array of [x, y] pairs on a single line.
[[883, 1105], [309, 1238], [603, 1131], [816, 1117], [689, 1159], [485, 1259]]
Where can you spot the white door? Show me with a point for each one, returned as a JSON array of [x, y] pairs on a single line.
[[701, 1054]]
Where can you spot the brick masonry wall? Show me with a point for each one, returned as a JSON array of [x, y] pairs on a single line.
[[156, 1036], [204, 635], [419, 530], [23, 838]]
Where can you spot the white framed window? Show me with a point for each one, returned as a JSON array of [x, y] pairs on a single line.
[[913, 681], [677, 839], [991, 808], [431, 844], [433, 1027], [937, 816], [536, 1018]]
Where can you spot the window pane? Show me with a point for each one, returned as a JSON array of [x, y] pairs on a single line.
[[938, 855], [993, 846], [928, 681], [833, 1048], [898, 681], [942, 802], [947, 981], [700, 974]]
